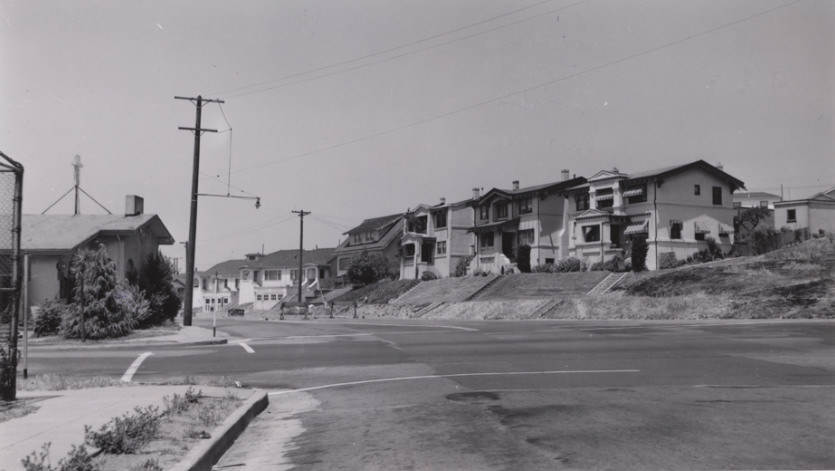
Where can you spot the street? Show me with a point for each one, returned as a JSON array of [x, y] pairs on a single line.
[[407, 394]]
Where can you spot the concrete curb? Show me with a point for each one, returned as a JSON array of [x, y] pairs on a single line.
[[207, 453]]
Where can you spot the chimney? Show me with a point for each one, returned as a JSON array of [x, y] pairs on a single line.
[[565, 175], [443, 201], [476, 193], [720, 166], [134, 205], [515, 184]]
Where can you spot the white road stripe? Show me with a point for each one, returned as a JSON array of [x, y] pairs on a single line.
[[246, 347], [459, 375], [128, 376]]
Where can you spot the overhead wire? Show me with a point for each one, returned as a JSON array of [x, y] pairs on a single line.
[[523, 90], [384, 51]]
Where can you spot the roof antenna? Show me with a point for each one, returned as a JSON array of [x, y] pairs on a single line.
[[77, 187]]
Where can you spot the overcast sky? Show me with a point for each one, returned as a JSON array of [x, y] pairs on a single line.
[[358, 109]]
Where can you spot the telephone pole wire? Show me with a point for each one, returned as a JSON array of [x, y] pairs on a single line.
[[302, 213], [192, 225]]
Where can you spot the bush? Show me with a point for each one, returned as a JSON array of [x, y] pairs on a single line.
[[428, 276], [126, 434], [764, 240], [615, 264], [369, 268], [49, 318], [133, 303], [669, 260], [523, 261], [177, 404], [565, 265], [155, 280], [462, 266], [639, 253]]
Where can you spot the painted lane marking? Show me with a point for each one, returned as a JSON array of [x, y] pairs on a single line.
[[246, 347], [458, 375], [128, 376]]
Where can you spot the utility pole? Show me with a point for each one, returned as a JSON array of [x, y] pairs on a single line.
[[192, 225], [77, 173], [302, 214]]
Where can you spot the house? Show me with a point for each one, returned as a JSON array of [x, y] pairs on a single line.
[[265, 280], [436, 239], [218, 287], [677, 209], [179, 283], [816, 213], [49, 241], [755, 199], [505, 220], [376, 235]]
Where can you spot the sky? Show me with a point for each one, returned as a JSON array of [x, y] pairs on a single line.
[[352, 110]]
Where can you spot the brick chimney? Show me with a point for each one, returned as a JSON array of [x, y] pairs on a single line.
[[565, 176], [134, 205], [515, 184], [476, 193], [443, 200]]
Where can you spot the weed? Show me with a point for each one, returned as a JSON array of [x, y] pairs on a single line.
[[178, 404], [77, 460], [147, 465], [126, 434]]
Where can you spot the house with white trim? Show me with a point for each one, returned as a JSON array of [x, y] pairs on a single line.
[[436, 239]]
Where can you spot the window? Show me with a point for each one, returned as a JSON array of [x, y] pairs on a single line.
[[418, 224], [526, 206], [344, 263], [501, 210], [440, 219], [255, 276], [591, 233], [484, 212], [605, 198], [487, 239], [582, 202], [273, 297], [636, 194], [311, 274], [791, 215], [675, 229], [441, 247], [272, 275], [196, 283], [294, 274], [700, 236], [549, 261], [697, 190], [259, 297], [409, 250], [526, 237], [717, 195]]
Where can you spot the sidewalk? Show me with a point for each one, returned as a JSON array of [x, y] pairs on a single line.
[[61, 415]]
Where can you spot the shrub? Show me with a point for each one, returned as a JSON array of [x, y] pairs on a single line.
[[178, 404], [764, 240], [49, 318], [133, 303], [76, 460], [615, 264], [428, 276], [155, 281], [523, 261], [639, 253], [462, 266], [570, 264], [369, 268], [126, 434], [669, 260]]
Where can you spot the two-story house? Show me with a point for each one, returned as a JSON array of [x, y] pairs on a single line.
[[675, 208], [436, 239], [267, 279], [504, 220], [220, 285], [375, 235]]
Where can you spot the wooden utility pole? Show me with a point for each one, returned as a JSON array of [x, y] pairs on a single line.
[[192, 224], [302, 214]]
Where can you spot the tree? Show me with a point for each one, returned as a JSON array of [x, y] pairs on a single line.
[[95, 312], [639, 253], [369, 268], [750, 218], [523, 261], [155, 279]]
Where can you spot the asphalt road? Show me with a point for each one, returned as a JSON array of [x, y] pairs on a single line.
[[397, 394]]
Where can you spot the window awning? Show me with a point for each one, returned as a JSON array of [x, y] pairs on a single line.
[[725, 229], [638, 228], [495, 226], [633, 192], [604, 197], [701, 228]]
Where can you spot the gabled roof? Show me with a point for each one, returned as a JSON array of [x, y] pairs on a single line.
[[659, 174], [375, 224], [546, 187], [822, 197], [756, 195], [66, 232], [290, 259], [227, 268]]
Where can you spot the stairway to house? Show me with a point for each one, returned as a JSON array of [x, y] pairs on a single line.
[[607, 283]]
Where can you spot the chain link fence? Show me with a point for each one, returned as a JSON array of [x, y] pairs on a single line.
[[11, 184]]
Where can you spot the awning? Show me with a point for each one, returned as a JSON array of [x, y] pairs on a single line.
[[725, 229], [639, 228], [701, 228], [633, 192], [604, 197], [496, 226]]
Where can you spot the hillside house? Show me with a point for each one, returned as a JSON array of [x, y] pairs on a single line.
[[816, 213], [50, 241], [436, 239], [219, 286], [675, 208], [265, 280], [375, 235], [505, 220]]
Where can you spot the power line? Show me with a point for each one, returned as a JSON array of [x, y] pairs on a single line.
[[384, 51], [524, 90]]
